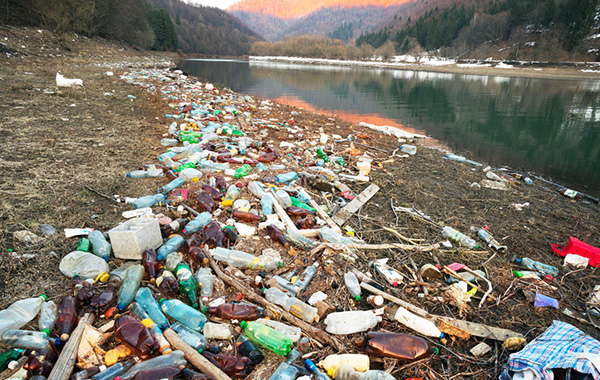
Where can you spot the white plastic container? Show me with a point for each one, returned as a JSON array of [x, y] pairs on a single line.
[[364, 167], [357, 361], [350, 322], [416, 323]]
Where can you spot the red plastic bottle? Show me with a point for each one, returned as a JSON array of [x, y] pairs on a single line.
[[213, 236], [151, 264], [239, 311], [67, 317], [233, 366], [276, 235], [247, 216], [205, 202], [136, 336]]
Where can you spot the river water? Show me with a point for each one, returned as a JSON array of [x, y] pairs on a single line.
[[550, 127]]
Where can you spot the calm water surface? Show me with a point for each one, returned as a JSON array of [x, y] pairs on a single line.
[[551, 127]]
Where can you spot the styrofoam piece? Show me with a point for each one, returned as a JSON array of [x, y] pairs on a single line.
[[131, 238]]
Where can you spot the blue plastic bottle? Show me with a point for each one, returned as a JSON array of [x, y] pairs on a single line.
[[199, 222], [147, 301], [171, 245], [287, 177], [172, 185], [266, 202], [184, 313], [148, 201]]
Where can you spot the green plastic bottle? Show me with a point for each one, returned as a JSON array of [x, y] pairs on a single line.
[[296, 202], [9, 356], [186, 166], [322, 155], [84, 245], [187, 284], [243, 171], [267, 337]]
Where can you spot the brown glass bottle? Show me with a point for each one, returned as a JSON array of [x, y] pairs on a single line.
[[239, 311], [298, 211], [103, 301], [214, 193], [276, 235], [67, 317], [306, 223], [169, 373], [398, 346], [188, 374], [136, 336], [174, 226], [234, 366], [166, 282], [213, 236], [151, 264], [82, 290], [247, 216], [205, 202]]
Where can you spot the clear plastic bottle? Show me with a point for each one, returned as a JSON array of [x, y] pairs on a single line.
[[284, 198], [233, 193], [100, 247], [198, 223], [306, 276], [257, 189], [294, 333], [185, 314], [286, 371], [313, 368], [48, 317], [298, 240], [537, 266], [148, 201], [346, 372], [267, 337], [459, 237], [292, 304], [196, 340], [266, 204], [359, 362], [172, 185], [205, 280], [333, 237], [303, 196], [350, 322], [137, 174], [216, 331], [114, 371], [392, 276], [129, 286], [353, 285], [287, 177], [175, 358], [171, 245], [35, 340], [241, 259], [20, 313], [408, 149], [489, 239], [417, 323], [173, 259], [146, 300]]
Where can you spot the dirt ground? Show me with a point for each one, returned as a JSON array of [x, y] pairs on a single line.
[[57, 144]]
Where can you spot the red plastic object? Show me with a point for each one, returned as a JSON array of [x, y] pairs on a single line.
[[577, 247]]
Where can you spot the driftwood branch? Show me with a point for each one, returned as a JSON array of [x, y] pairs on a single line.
[[315, 333], [64, 365], [194, 357]]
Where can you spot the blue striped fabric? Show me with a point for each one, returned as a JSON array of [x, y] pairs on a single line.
[[560, 346]]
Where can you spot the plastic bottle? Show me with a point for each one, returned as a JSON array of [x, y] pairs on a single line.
[[454, 157], [417, 323], [233, 193], [162, 373], [171, 185], [287, 177], [286, 371], [205, 280], [9, 356], [20, 313], [171, 245], [350, 322], [313, 368], [87, 373], [163, 345], [230, 234], [114, 371], [234, 366], [167, 282], [148, 201], [198, 223], [235, 258], [129, 286], [276, 235], [358, 362], [298, 240], [185, 314], [196, 340], [459, 237], [213, 235], [266, 204], [267, 337], [67, 317], [205, 203], [353, 285], [216, 331], [35, 340], [48, 317], [175, 358], [284, 198], [150, 264], [334, 237], [489, 239], [346, 372], [136, 336], [536, 266], [173, 259], [235, 311], [173, 227], [292, 304], [187, 284], [408, 149], [292, 332], [242, 171], [82, 290], [145, 298], [84, 245], [188, 374], [101, 302], [137, 174], [257, 189], [306, 276], [247, 348], [246, 216], [398, 346]]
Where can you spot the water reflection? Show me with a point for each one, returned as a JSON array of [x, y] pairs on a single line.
[[548, 126]]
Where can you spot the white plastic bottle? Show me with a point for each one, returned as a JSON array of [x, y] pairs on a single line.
[[284, 198], [20, 313], [417, 323], [350, 322], [35, 340], [206, 281], [353, 285], [292, 304], [358, 362]]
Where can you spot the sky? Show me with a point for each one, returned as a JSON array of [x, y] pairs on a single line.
[[214, 3]]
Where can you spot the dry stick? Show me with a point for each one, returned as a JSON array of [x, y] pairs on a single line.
[[64, 365], [419, 278], [400, 236], [317, 334], [489, 284], [102, 195], [194, 357]]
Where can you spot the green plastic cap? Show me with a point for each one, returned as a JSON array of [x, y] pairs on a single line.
[[281, 264], [243, 324], [44, 297], [46, 331], [357, 298], [200, 350], [436, 351], [160, 301], [204, 309]]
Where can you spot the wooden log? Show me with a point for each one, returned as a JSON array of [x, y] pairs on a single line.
[[194, 357], [64, 365], [345, 213], [315, 333]]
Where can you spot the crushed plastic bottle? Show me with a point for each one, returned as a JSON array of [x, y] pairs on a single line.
[[35, 340], [216, 331], [100, 247], [417, 323], [198, 223], [175, 358], [185, 314], [148, 201], [129, 286], [164, 347], [358, 362], [350, 322], [286, 371], [536, 266], [233, 193], [136, 336], [266, 203], [196, 340], [171, 245], [241, 259], [242, 171], [284, 198], [292, 304], [298, 240], [205, 280], [187, 284], [352, 285], [20, 313]]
